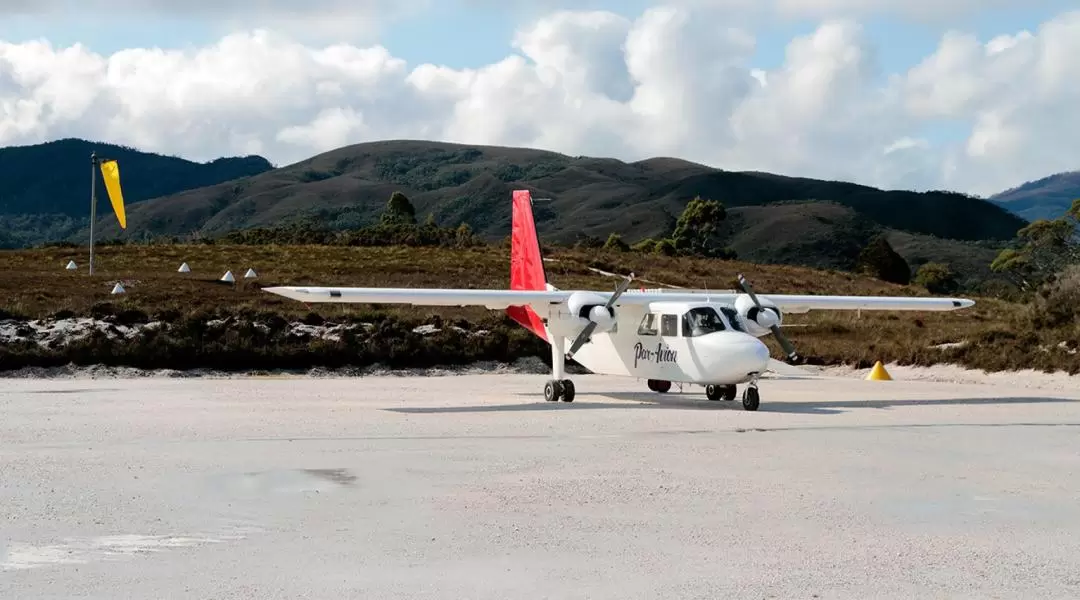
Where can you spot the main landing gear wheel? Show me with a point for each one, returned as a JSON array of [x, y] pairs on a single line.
[[720, 392], [567, 390], [559, 390], [660, 386], [750, 398]]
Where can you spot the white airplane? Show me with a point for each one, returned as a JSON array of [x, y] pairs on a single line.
[[688, 337]]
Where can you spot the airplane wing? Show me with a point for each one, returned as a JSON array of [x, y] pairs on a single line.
[[501, 299], [493, 299], [802, 304]]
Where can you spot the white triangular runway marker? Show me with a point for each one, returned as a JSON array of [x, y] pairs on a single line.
[[118, 289], [71, 266], [228, 276], [184, 268], [250, 274]]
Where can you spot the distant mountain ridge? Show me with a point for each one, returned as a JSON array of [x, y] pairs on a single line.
[[772, 218], [1046, 198], [349, 186], [46, 191]]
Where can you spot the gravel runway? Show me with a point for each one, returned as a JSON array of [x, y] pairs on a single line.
[[471, 486]]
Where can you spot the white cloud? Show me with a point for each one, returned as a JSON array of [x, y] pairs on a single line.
[[674, 81]]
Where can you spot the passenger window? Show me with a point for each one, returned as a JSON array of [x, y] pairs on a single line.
[[648, 325], [669, 325]]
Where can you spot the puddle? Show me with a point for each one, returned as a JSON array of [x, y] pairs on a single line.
[[81, 551], [289, 481]]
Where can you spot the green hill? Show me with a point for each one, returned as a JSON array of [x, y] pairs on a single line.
[[771, 218], [349, 186], [46, 190]]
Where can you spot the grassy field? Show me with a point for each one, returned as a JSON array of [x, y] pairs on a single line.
[[993, 335]]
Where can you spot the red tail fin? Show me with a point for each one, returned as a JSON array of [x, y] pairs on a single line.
[[526, 264]]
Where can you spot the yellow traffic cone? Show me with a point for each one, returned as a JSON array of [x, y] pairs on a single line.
[[878, 373]]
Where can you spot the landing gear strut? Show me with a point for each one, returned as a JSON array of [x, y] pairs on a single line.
[[558, 387]]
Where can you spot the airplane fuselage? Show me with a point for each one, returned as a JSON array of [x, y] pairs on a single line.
[[659, 341]]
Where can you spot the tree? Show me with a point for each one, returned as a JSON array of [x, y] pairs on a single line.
[[399, 211], [1042, 249], [646, 245], [1057, 304], [463, 235], [697, 231], [616, 243], [937, 278], [664, 247], [878, 259]]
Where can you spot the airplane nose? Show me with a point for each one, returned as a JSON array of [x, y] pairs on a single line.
[[735, 355], [759, 353]]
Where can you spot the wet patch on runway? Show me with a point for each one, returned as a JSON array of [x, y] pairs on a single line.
[[81, 551], [288, 481], [341, 476]]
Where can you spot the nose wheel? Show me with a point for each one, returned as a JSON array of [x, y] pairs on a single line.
[[750, 398]]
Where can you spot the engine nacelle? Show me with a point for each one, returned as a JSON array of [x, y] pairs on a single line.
[[758, 321], [591, 307]]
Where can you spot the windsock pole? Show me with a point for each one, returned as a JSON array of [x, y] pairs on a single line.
[[93, 205]]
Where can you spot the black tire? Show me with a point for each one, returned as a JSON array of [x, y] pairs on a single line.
[[552, 391], [661, 386], [652, 385], [729, 392], [713, 392], [750, 399], [567, 390]]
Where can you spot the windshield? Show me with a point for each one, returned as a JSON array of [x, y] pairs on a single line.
[[733, 318], [701, 320]]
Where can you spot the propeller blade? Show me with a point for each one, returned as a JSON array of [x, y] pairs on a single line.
[[580, 340], [786, 344], [622, 287], [792, 355], [586, 333], [745, 285]]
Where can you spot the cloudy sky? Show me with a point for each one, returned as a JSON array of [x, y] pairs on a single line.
[[971, 95]]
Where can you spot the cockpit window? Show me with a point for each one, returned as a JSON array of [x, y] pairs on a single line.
[[733, 318], [701, 320]]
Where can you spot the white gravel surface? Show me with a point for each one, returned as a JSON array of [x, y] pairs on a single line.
[[471, 486]]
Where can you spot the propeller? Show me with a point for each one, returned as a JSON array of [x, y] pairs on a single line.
[[792, 355], [586, 333]]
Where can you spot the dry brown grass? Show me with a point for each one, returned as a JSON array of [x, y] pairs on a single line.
[[35, 285]]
